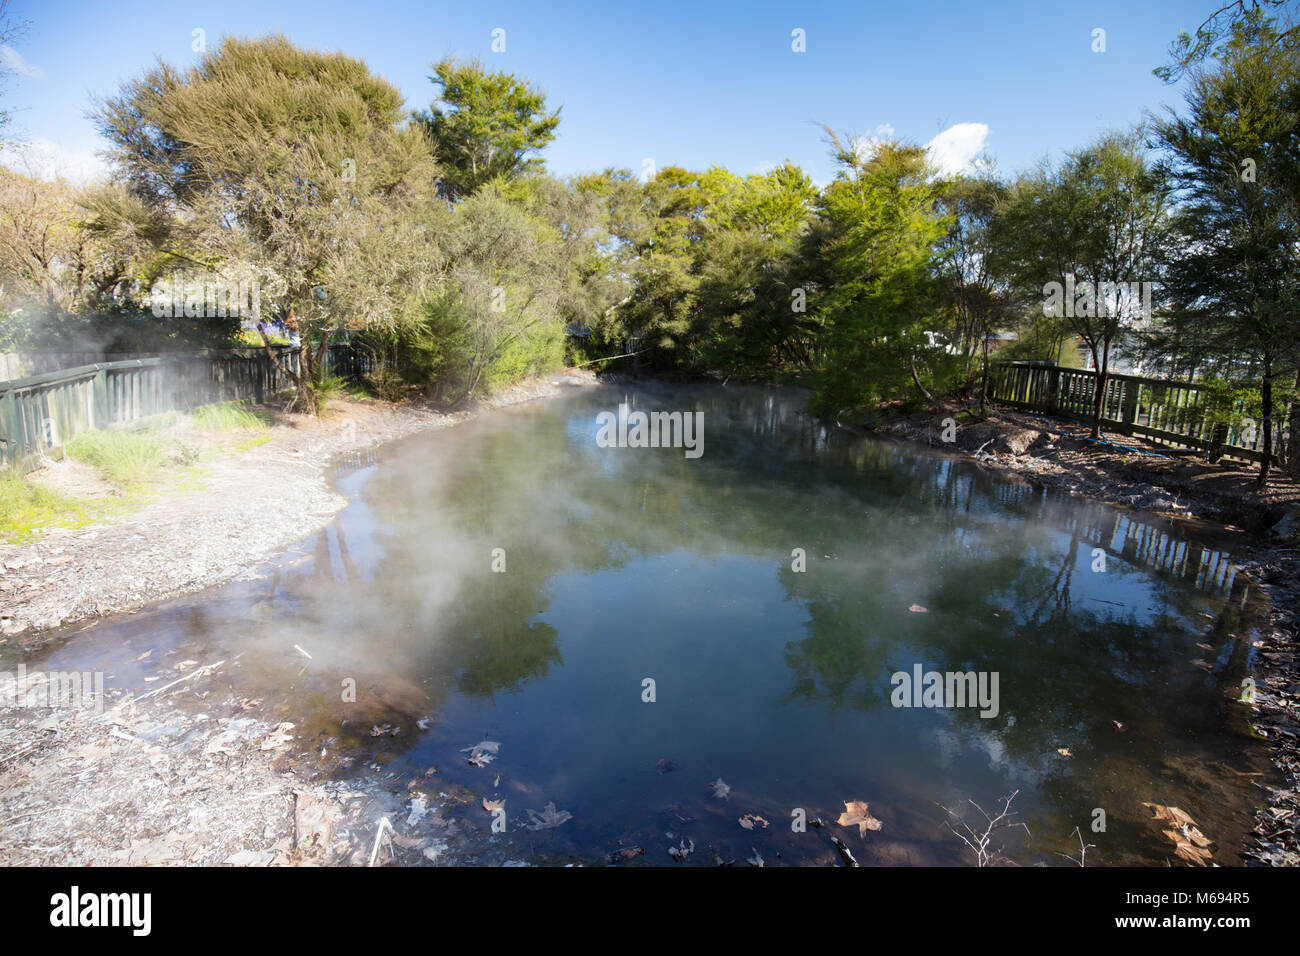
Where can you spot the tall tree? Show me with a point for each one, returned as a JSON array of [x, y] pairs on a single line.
[[1235, 158], [876, 295], [1090, 235], [483, 125], [289, 159], [969, 261]]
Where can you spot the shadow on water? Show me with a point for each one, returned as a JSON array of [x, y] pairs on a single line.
[[511, 580]]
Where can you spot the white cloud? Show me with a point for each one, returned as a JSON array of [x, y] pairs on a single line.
[[954, 150], [44, 159], [15, 63]]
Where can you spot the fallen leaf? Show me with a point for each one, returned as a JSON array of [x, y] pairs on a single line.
[[1119, 726], [751, 820], [626, 853], [720, 789], [917, 609], [278, 737], [855, 814], [419, 807], [754, 860], [1189, 842], [1064, 751], [482, 753], [492, 806], [682, 851], [548, 819]]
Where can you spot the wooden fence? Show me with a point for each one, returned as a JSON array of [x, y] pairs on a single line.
[[42, 412], [1172, 414]]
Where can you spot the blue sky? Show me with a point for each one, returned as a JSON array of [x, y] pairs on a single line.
[[685, 83]]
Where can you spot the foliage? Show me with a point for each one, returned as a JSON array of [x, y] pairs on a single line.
[[291, 161], [876, 294], [483, 126]]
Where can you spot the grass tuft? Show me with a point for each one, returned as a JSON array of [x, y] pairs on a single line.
[[229, 417], [124, 457], [27, 508]]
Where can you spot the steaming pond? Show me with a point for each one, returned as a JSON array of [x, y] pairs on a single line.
[[623, 565]]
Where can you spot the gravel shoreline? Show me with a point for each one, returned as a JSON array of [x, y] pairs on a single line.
[[193, 772], [250, 508]]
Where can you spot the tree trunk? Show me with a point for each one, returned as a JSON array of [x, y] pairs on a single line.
[[984, 381], [1266, 409], [1099, 397], [1293, 444], [916, 379]]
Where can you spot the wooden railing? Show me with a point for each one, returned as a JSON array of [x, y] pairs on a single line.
[[40, 413], [1168, 413]]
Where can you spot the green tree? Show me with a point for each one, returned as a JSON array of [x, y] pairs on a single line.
[[1235, 159], [1089, 237], [286, 159], [483, 125], [969, 262], [875, 296]]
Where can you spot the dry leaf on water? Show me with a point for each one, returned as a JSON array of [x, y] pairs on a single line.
[[482, 753], [491, 806], [855, 814], [548, 819], [626, 853], [682, 851], [1189, 842], [720, 789], [917, 609], [1064, 751], [751, 820]]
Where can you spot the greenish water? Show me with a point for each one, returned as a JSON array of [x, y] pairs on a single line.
[[624, 565]]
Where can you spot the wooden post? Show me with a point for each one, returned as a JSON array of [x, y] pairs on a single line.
[[100, 402], [1128, 409]]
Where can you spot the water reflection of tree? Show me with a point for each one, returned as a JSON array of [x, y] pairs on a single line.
[[892, 522]]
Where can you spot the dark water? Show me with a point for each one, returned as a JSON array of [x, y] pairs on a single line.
[[623, 564]]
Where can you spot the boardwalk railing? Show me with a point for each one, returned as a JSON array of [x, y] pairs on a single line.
[[42, 412], [1172, 414]]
